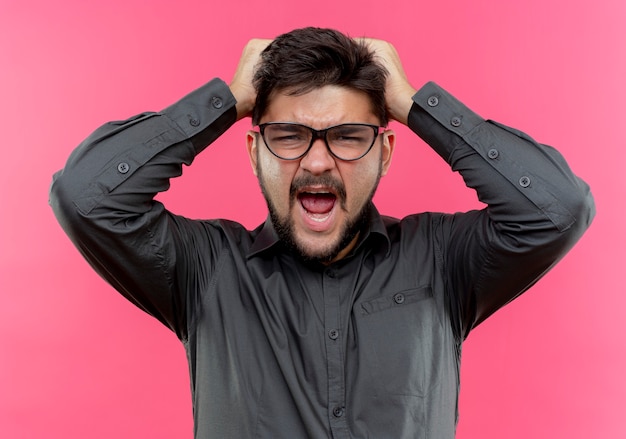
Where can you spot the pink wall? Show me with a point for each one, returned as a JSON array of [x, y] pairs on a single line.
[[77, 361]]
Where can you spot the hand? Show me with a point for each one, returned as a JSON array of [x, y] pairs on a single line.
[[398, 90], [241, 85]]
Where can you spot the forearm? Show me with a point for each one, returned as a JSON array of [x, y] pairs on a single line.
[[509, 170], [117, 157]]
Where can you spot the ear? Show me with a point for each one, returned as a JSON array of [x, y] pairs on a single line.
[[252, 146], [389, 143]]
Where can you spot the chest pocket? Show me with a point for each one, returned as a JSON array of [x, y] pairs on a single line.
[[400, 337]]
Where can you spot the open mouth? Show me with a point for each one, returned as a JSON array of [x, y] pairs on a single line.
[[318, 205]]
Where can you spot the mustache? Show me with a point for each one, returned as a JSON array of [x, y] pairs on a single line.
[[324, 180]]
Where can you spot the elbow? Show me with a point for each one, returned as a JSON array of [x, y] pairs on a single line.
[[581, 206], [583, 209], [56, 195], [554, 231], [61, 200]]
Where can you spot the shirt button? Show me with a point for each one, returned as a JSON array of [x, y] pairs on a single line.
[[398, 298], [330, 273], [493, 154], [433, 101], [455, 121], [338, 412], [123, 168], [524, 181], [194, 122], [217, 102], [333, 334]]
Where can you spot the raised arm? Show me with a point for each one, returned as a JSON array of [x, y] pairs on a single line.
[[104, 196], [537, 208]]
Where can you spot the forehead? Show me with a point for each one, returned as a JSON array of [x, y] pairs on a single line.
[[320, 107]]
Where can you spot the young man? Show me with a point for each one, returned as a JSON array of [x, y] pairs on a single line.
[[328, 320]]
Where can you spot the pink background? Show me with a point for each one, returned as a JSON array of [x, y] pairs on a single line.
[[77, 361]]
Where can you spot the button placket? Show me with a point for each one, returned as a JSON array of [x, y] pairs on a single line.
[[331, 284]]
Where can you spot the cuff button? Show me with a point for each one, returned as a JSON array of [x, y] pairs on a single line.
[[493, 154], [433, 101], [123, 168], [524, 181], [217, 102]]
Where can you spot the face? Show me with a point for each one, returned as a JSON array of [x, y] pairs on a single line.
[[317, 202]]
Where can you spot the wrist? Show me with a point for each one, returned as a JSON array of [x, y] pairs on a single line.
[[244, 101], [400, 104]]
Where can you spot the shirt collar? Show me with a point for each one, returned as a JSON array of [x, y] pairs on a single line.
[[267, 238]]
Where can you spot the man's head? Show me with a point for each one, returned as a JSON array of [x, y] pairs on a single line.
[[319, 78], [305, 59]]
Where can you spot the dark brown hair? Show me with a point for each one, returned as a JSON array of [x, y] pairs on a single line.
[[305, 59]]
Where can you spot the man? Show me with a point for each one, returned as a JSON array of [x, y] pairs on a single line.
[[328, 320]]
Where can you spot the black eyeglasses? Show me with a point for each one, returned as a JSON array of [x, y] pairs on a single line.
[[291, 141]]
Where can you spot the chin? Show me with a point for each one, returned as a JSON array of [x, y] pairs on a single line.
[[325, 250], [319, 253]]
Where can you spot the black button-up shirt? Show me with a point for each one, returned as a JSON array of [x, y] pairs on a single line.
[[368, 347]]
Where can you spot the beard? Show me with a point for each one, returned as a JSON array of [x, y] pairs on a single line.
[[284, 226]]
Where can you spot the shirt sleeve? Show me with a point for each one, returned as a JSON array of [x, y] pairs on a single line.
[[537, 209], [104, 196]]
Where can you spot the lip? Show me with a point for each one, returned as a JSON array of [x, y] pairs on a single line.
[[317, 189]]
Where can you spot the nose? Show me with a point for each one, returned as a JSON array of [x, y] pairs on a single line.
[[318, 159]]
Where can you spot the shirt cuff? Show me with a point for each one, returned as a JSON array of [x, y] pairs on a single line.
[[212, 105]]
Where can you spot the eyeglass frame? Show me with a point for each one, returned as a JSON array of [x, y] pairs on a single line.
[[322, 134]]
